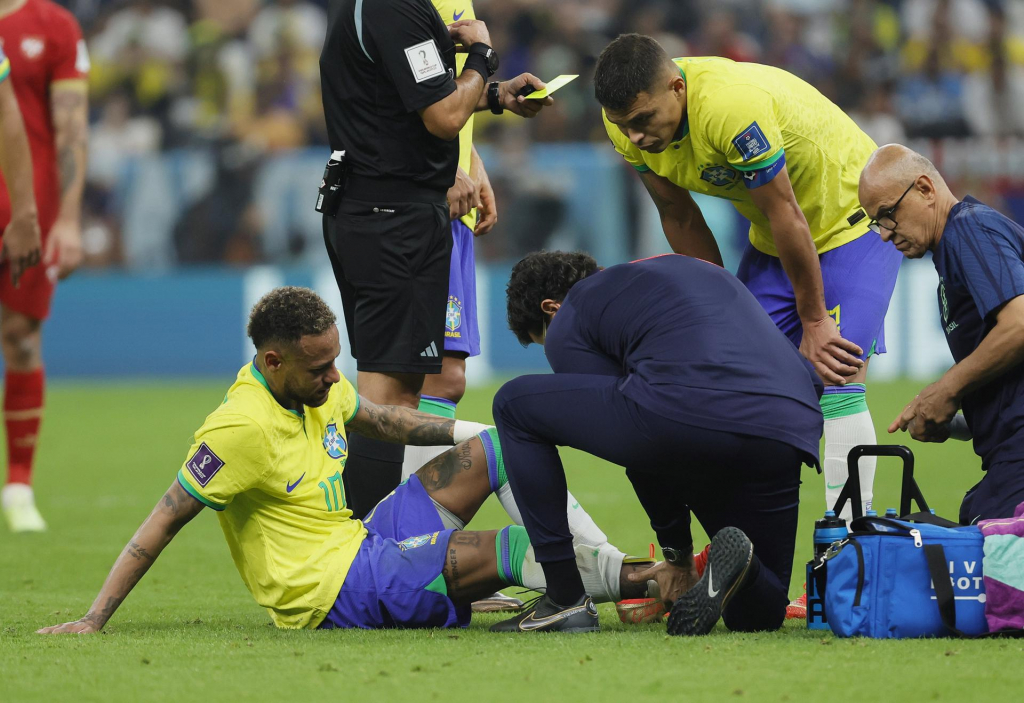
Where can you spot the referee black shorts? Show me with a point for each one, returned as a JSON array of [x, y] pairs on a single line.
[[391, 261]]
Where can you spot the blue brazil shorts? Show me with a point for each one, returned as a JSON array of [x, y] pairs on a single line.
[[396, 579], [859, 278], [461, 331]]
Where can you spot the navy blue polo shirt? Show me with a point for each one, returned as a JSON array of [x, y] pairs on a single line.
[[692, 344], [980, 261]]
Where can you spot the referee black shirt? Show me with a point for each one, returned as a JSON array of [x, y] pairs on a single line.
[[382, 61]]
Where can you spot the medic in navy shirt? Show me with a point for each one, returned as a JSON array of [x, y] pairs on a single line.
[[979, 256], [670, 368]]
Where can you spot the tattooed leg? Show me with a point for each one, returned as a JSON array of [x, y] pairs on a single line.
[[457, 479], [471, 567]]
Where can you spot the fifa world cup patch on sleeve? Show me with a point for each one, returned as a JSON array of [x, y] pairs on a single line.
[[204, 464], [751, 142], [425, 60]]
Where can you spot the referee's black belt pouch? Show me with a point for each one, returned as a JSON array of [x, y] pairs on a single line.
[[392, 190]]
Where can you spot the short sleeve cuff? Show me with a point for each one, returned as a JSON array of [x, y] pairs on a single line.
[[355, 411], [423, 100], [190, 489], [642, 168]]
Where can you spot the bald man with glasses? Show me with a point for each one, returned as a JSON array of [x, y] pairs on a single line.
[[979, 256]]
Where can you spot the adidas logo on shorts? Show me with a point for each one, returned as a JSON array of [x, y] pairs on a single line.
[[430, 351]]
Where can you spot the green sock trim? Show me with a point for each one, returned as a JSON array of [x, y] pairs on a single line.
[[836, 405], [437, 408], [518, 543], [499, 462], [438, 585]]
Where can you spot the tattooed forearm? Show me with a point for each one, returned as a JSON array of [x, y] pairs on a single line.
[[70, 109], [137, 551], [401, 425], [440, 471]]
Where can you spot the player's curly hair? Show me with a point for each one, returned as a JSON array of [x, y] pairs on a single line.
[[627, 67], [286, 314], [538, 277]]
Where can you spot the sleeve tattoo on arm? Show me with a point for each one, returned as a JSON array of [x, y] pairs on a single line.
[[70, 119], [395, 423]]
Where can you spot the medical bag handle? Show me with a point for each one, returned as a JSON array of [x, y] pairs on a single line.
[[909, 491]]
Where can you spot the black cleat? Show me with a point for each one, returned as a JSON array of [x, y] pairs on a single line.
[[548, 616], [696, 611]]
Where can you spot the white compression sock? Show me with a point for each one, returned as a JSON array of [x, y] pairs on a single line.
[[584, 529], [600, 568], [841, 435]]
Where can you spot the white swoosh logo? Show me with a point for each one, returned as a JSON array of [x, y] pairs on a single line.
[[711, 592]]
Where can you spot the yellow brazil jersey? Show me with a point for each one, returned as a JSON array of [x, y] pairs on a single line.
[[743, 122], [274, 475], [453, 11]]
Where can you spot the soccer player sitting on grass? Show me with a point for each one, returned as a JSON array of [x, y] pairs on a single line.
[[270, 459]]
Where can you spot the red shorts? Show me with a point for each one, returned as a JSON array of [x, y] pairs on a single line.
[[35, 289]]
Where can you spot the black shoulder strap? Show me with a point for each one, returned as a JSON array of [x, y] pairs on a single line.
[[929, 519], [937, 569]]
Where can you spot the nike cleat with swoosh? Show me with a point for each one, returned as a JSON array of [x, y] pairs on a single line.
[[548, 616], [697, 611]]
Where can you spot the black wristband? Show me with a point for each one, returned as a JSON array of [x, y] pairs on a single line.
[[476, 62]]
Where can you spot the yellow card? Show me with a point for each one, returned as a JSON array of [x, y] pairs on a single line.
[[553, 85]]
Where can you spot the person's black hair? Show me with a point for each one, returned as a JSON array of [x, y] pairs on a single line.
[[628, 66], [538, 277], [287, 314]]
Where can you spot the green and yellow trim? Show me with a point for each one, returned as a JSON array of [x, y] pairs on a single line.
[[760, 164], [355, 411], [5, 69], [190, 489], [258, 375]]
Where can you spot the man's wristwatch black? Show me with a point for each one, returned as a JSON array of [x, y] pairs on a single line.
[[490, 56], [494, 98], [674, 556]]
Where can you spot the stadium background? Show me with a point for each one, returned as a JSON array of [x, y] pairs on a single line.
[[208, 141]]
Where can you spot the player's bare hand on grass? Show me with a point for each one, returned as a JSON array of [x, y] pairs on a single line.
[[833, 357], [78, 627], [488, 208], [673, 581], [928, 415], [22, 244], [519, 104], [466, 33], [64, 248], [463, 196]]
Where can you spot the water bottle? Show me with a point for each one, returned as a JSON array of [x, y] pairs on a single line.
[[827, 530], [872, 513], [891, 512]]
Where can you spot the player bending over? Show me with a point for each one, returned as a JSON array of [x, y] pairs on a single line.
[[669, 368], [270, 461]]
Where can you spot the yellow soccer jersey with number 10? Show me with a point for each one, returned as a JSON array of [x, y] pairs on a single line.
[[274, 475], [744, 121], [453, 11]]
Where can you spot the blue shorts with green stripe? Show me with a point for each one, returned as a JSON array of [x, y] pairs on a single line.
[[396, 579], [859, 278]]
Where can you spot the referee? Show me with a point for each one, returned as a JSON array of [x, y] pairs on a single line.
[[395, 107]]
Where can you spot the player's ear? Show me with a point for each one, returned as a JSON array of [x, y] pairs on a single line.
[[272, 360], [549, 306]]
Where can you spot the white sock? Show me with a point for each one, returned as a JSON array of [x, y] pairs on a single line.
[[841, 435], [600, 568], [584, 529]]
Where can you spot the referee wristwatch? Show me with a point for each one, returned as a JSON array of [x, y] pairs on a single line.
[[675, 557], [489, 55]]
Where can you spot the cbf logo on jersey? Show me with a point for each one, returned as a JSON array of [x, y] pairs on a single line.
[[751, 142], [718, 175], [453, 317], [334, 442]]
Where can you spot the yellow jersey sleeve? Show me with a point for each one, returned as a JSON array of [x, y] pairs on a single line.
[[626, 148], [346, 400], [743, 125], [228, 456]]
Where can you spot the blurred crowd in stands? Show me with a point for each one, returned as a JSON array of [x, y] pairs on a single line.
[[240, 79]]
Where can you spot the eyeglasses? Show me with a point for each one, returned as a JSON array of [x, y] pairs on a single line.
[[884, 218]]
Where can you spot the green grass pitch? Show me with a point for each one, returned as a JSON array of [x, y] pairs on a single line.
[[192, 632]]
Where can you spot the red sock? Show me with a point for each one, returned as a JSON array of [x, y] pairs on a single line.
[[23, 410]]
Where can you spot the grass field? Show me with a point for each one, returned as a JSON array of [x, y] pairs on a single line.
[[191, 631]]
